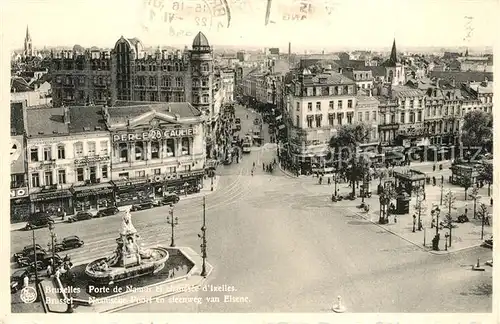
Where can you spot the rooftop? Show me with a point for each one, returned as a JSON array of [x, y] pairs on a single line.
[[462, 76], [328, 78], [46, 122], [85, 118], [200, 40]]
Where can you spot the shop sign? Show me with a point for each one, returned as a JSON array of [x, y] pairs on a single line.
[[93, 192], [91, 159], [388, 127], [18, 193], [155, 134]]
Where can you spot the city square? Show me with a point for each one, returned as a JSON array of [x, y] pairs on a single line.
[[203, 179]]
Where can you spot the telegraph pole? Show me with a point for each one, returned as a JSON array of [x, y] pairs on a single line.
[[203, 245], [172, 222]]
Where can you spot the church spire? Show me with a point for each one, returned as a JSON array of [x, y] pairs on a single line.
[[27, 33], [393, 58]]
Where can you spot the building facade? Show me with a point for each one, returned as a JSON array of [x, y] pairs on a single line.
[[68, 160], [156, 148], [316, 105]]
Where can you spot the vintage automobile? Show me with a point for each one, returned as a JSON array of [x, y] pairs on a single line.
[[488, 242], [142, 205], [107, 212], [69, 242], [462, 219], [29, 258], [27, 250], [17, 279], [38, 220], [80, 216], [170, 198]]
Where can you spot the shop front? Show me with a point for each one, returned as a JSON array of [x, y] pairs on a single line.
[[53, 201], [19, 204], [133, 191], [94, 197], [185, 183]]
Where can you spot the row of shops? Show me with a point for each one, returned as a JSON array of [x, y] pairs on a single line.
[[102, 195]]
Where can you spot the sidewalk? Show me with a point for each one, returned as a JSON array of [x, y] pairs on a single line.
[[206, 190]]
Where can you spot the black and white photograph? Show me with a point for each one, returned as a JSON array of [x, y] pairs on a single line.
[[250, 156]]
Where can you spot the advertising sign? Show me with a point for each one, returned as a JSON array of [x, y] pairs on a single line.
[[17, 155], [18, 193], [154, 134]]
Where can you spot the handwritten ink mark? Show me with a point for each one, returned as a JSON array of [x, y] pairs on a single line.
[[268, 11]]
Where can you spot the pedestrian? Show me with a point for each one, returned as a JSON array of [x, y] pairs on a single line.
[[395, 218], [49, 271], [263, 166], [253, 166], [329, 180], [491, 201], [26, 281]]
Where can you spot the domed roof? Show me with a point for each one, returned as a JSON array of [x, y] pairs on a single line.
[[200, 40]]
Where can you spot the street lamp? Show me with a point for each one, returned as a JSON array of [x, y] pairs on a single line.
[[212, 181], [53, 237], [442, 185], [203, 245], [172, 222], [414, 223]]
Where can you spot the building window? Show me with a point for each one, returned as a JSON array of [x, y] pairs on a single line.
[[340, 116], [349, 103], [47, 153], [170, 147], [104, 171], [48, 178], [104, 148], [318, 105], [35, 180], [123, 175], [79, 149], [157, 171], [374, 115], [340, 104], [152, 81], [61, 176], [331, 119], [367, 115], [349, 118], [419, 116], [204, 82], [139, 151], [185, 146], [155, 150], [123, 152], [178, 82], [298, 106], [61, 154], [172, 170], [318, 120], [412, 118], [402, 118], [79, 175], [297, 119], [204, 98], [309, 106], [34, 154], [140, 174], [91, 148], [309, 121], [360, 116], [330, 105]]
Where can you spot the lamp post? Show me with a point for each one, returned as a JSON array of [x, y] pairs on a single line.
[[414, 223], [172, 222], [203, 245], [212, 181], [442, 185], [35, 261], [53, 237]]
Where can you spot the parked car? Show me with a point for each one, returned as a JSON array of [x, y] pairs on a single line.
[[462, 219], [17, 279], [142, 205], [489, 262], [38, 220], [29, 258], [488, 242], [80, 216], [170, 198], [107, 212], [27, 250], [69, 242], [47, 259]]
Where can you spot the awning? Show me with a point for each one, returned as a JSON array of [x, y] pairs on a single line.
[[51, 195], [128, 182], [98, 189]]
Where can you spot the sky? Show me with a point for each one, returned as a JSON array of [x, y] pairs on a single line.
[[351, 23]]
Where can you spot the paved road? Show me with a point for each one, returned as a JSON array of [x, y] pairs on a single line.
[[287, 249]]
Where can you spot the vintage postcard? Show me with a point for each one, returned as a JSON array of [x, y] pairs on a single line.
[[250, 156]]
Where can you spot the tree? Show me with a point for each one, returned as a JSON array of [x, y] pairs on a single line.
[[420, 208], [466, 183], [477, 128], [474, 196], [386, 196], [345, 144], [449, 202], [487, 175], [482, 213]]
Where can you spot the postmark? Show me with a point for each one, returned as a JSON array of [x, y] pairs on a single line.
[[28, 295], [186, 17]]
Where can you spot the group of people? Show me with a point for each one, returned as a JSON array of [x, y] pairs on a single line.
[[269, 167]]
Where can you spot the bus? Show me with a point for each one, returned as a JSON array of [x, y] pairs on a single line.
[[247, 144]]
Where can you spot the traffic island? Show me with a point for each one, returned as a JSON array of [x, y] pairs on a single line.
[[180, 274]]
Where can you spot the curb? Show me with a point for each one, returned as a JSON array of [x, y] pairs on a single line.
[[287, 173], [454, 251]]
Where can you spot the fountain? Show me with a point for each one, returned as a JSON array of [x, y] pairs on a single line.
[[129, 260]]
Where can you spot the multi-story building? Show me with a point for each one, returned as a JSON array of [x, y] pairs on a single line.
[[156, 147], [395, 71], [362, 76], [316, 105], [129, 73], [228, 85], [19, 194], [68, 159], [367, 113]]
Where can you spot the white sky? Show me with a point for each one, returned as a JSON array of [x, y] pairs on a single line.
[[353, 23]]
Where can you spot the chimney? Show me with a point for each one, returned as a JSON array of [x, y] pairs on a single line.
[[66, 115]]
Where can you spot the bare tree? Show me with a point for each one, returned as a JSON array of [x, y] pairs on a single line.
[[474, 195], [449, 202]]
